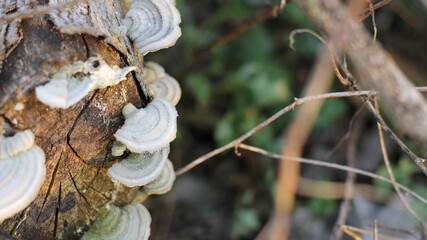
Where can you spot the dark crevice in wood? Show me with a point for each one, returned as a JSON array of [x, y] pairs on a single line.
[[20, 219], [144, 100], [99, 193], [74, 125], [57, 211], [52, 180], [86, 47], [78, 191]]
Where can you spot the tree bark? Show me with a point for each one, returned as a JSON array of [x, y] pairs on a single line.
[[77, 141]]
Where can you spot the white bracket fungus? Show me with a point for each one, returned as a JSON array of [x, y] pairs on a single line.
[[148, 129], [139, 169], [131, 222], [152, 71], [152, 24], [166, 87], [73, 82], [22, 172], [162, 183]]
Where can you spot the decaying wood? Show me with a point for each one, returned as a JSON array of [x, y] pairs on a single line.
[[375, 66], [77, 141]]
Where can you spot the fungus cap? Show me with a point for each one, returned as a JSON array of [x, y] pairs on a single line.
[[131, 222], [74, 81], [162, 183], [166, 87], [139, 169], [152, 71], [21, 177], [152, 24], [10, 146], [148, 129]]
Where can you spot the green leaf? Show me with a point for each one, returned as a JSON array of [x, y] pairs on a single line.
[[332, 109], [200, 87]]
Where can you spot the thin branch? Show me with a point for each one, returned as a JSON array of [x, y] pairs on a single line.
[[40, 10], [390, 172], [371, 9], [270, 12], [351, 177], [353, 230], [331, 165], [297, 102]]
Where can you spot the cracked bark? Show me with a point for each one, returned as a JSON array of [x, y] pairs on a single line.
[[77, 140]]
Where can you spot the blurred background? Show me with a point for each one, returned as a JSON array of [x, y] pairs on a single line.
[[231, 87]]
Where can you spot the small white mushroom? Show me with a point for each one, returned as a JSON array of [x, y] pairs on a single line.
[[19, 106], [118, 149], [166, 87], [139, 169], [22, 172], [152, 24], [148, 129], [162, 183], [152, 71], [73, 82], [131, 222]]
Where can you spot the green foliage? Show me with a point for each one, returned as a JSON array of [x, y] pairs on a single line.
[[402, 172], [200, 87], [323, 207], [331, 110], [245, 219]]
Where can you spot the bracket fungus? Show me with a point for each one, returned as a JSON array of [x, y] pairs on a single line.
[[162, 183], [73, 82], [139, 169], [152, 71], [166, 87], [22, 172], [152, 24], [131, 222], [148, 129]]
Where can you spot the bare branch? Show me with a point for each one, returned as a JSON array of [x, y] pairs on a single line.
[[330, 165], [390, 172]]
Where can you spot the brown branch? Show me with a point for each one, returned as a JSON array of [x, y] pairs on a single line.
[[375, 66], [355, 132], [331, 165], [231, 34], [370, 11], [40, 10], [353, 230], [297, 102], [337, 190], [390, 172]]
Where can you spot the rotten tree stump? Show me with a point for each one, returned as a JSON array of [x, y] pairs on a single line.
[[77, 141]]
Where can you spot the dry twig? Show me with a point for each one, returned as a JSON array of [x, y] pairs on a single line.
[[390, 172], [270, 12], [297, 102]]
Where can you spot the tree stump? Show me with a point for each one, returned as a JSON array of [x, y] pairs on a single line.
[[77, 141]]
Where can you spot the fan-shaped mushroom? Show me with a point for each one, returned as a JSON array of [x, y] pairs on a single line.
[[148, 129], [162, 183], [139, 169], [152, 24], [73, 82], [131, 222], [166, 87], [152, 71], [22, 172]]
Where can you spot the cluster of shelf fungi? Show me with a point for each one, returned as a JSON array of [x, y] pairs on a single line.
[[141, 146]]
